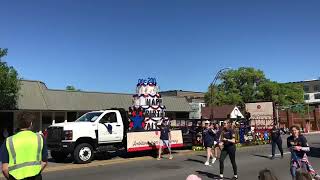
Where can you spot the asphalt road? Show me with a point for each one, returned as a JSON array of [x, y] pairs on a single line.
[[250, 161]]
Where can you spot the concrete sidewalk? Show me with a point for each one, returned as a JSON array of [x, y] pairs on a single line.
[[311, 133]]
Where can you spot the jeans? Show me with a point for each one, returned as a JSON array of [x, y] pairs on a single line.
[[293, 169], [279, 144]]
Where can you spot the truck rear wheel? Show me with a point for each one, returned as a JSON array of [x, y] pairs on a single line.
[[58, 156], [83, 153]]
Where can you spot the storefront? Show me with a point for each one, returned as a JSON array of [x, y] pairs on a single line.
[[59, 105]]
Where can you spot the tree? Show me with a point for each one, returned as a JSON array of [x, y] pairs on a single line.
[[247, 84], [9, 84], [71, 88]]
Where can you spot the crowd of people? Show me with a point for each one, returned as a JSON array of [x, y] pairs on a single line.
[[221, 140]]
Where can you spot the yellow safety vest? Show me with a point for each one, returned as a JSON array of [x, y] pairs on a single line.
[[25, 154]]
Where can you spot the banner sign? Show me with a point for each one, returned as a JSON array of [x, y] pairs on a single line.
[[261, 114], [149, 140]]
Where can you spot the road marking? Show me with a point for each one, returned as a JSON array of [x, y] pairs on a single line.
[[280, 154]]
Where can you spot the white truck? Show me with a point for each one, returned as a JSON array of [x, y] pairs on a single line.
[[101, 131]]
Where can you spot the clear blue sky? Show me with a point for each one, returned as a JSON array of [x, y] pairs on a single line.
[[107, 46]]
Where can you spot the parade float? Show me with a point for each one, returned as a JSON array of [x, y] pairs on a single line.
[[145, 116]]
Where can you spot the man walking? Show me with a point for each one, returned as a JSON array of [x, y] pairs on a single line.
[[24, 155], [276, 140], [165, 138]]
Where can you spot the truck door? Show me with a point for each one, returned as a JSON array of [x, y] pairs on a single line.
[[109, 128]]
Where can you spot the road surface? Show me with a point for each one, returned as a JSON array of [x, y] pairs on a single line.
[[250, 161]]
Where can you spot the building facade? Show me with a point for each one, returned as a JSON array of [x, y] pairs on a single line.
[[311, 91], [50, 105], [195, 99]]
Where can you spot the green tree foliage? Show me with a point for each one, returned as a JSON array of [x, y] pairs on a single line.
[[9, 84], [247, 84], [72, 88]]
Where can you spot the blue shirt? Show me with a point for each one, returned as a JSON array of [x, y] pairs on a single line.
[[4, 154], [208, 136], [164, 133]]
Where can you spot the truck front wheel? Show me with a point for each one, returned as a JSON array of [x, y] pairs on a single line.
[[58, 156], [83, 153]]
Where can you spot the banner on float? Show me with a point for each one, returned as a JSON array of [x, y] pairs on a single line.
[[149, 140]]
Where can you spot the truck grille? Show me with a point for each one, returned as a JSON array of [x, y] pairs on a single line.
[[55, 134]]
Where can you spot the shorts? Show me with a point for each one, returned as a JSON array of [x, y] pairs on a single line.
[[165, 142], [216, 144], [208, 145]]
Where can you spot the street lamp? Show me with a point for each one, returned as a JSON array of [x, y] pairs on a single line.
[[212, 85]]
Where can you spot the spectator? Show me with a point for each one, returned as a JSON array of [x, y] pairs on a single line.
[[303, 175], [267, 174], [193, 177]]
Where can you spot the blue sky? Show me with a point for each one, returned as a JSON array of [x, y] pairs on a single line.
[[107, 46]]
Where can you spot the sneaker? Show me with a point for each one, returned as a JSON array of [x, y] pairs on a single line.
[[207, 163], [170, 157], [213, 160], [235, 177], [221, 176], [158, 159], [317, 177], [272, 158]]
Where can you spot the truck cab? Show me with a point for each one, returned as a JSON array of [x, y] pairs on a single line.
[[94, 131]]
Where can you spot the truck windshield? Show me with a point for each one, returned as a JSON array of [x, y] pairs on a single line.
[[89, 117]]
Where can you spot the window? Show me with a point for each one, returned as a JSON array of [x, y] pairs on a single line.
[[306, 88], [317, 96], [89, 117], [109, 118], [316, 88], [306, 97]]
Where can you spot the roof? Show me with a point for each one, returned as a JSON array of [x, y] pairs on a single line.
[[36, 96], [219, 112], [307, 81], [183, 91]]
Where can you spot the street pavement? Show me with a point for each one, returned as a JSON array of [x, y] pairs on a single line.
[[250, 161]]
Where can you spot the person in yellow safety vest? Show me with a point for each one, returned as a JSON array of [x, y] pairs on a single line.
[[24, 155]]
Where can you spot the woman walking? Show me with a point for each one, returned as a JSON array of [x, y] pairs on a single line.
[[227, 144], [208, 142], [217, 132], [298, 147]]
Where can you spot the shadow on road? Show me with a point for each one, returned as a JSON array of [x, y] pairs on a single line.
[[118, 154], [202, 156], [195, 160], [210, 175], [314, 152], [262, 156]]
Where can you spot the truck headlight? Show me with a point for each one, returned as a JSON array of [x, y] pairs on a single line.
[[68, 134]]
